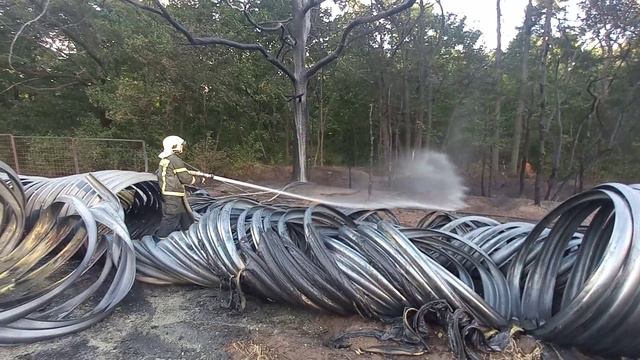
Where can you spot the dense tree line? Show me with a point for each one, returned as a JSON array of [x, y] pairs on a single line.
[[562, 99]]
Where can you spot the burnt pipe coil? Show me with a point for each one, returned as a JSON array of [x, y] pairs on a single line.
[[45, 285], [571, 279]]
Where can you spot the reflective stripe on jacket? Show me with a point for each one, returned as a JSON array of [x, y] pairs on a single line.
[[173, 175]]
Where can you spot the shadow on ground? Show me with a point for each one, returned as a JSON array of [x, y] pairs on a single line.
[[187, 322]]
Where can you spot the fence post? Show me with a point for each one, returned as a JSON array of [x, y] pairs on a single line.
[[145, 156], [15, 153], [74, 153]]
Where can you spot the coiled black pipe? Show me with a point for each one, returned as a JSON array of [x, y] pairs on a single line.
[[70, 242], [571, 279]]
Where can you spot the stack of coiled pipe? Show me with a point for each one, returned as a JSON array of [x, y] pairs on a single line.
[[138, 195], [571, 279], [63, 270]]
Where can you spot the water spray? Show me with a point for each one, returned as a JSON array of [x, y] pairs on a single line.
[[426, 180]]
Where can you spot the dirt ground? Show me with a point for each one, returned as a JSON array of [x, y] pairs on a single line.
[[189, 322]]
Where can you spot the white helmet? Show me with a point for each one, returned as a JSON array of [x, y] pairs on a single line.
[[172, 144]]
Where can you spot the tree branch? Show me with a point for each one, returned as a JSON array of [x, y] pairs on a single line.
[[40, 73], [196, 40], [443, 25], [285, 21], [279, 24], [52, 88], [361, 35], [143, 7], [84, 18], [284, 40], [345, 34], [403, 33], [15, 38], [74, 37], [91, 52], [402, 37], [17, 84], [263, 28], [228, 2], [312, 4]]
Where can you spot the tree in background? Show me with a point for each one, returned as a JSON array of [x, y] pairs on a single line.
[[293, 35], [94, 68], [495, 125], [543, 117], [47, 49]]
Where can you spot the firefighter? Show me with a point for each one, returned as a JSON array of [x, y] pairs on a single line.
[[173, 175]]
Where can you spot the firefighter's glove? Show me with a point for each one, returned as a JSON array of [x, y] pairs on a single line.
[[207, 179]]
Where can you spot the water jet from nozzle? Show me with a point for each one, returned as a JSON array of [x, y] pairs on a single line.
[[425, 180]]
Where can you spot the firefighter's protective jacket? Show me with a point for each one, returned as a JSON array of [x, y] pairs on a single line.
[[173, 175]]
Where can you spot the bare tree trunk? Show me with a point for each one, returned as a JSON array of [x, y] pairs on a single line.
[[524, 80], [385, 127], [495, 137], [525, 156], [301, 28], [321, 126], [370, 187], [419, 128], [204, 110], [397, 145], [581, 177], [482, 173], [557, 155], [381, 127], [391, 139], [485, 149], [430, 60], [316, 148], [451, 124], [323, 129], [420, 44], [429, 132], [301, 117], [542, 129], [406, 107], [218, 130], [287, 140]]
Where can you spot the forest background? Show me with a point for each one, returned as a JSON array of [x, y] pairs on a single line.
[[554, 112]]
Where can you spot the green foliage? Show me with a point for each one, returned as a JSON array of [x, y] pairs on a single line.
[[113, 71], [205, 156]]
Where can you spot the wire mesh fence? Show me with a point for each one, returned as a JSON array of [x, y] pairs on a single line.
[[60, 156], [8, 151]]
